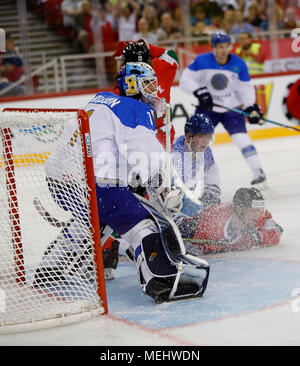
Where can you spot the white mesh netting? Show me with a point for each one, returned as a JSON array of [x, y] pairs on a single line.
[[47, 269]]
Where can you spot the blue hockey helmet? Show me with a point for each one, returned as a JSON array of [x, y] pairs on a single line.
[[220, 37], [199, 123], [137, 79]]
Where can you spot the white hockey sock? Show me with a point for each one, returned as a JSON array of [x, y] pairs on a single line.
[[245, 144]]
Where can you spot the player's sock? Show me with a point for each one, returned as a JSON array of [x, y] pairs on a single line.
[[244, 143]]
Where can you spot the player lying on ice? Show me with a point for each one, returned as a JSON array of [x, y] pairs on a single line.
[[123, 130], [241, 225], [213, 226]]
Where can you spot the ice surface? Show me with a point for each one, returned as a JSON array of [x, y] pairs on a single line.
[[249, 299]]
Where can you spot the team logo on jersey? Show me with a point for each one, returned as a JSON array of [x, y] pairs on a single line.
[[219, 81], [153, 255]]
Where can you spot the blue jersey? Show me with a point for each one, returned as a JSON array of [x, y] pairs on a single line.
[[228, 84]]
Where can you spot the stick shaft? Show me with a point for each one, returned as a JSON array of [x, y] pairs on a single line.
[[265, 119]]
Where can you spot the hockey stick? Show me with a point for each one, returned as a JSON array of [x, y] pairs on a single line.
[[171, 170], [168, 145], [205, 241], [46, 215], [265, 119]]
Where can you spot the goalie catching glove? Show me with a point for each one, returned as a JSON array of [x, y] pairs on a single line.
[[255, 115]]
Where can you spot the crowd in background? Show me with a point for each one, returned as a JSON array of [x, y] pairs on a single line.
[[161, 21], [158, 22]]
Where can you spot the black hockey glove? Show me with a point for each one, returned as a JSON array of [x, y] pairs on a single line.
[[211, 195], [204, 98], [255, 115], [254, 234]]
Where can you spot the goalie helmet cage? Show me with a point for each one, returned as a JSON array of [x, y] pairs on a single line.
[[30, 139]]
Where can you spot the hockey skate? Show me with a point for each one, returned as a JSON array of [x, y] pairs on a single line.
[[259, 180], [111, 260]]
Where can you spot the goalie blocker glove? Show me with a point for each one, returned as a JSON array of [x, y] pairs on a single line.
[[255, 114], [205, 100]]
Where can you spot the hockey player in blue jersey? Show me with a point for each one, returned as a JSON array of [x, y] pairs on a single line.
[[221, 78], [122, 132], [195, 164]]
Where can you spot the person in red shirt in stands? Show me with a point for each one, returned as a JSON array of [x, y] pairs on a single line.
[[240, 225], [165, 65]]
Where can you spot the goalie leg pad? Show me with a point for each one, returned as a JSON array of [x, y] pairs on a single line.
[[156, 273], [165, 280], [68, 254]]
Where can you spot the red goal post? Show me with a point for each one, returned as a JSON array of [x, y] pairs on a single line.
[[19, 160]]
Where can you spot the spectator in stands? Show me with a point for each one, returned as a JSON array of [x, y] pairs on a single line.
[[126, 13], [163, 6], [72, 12], [178, 19], [290, 20], [264, 26], [212, 10], [110, 15], [216, 23], [84, 26], [168, 28], [199, 15], [11, 68], [251, 52], [226, 26], [92, 22], [150, 14], [229, 16], [143, 32], [240, 25], [254, 16], [101, 27], [199, 30]]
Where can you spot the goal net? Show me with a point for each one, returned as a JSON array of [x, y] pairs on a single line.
[[51, 267]]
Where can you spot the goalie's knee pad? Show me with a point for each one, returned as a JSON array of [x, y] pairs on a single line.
[[69, 254]]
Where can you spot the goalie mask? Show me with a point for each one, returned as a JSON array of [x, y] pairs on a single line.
[[138, 80]]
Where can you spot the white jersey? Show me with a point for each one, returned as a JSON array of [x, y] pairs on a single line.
[[200, 176], [122, 137], [228, 84]]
